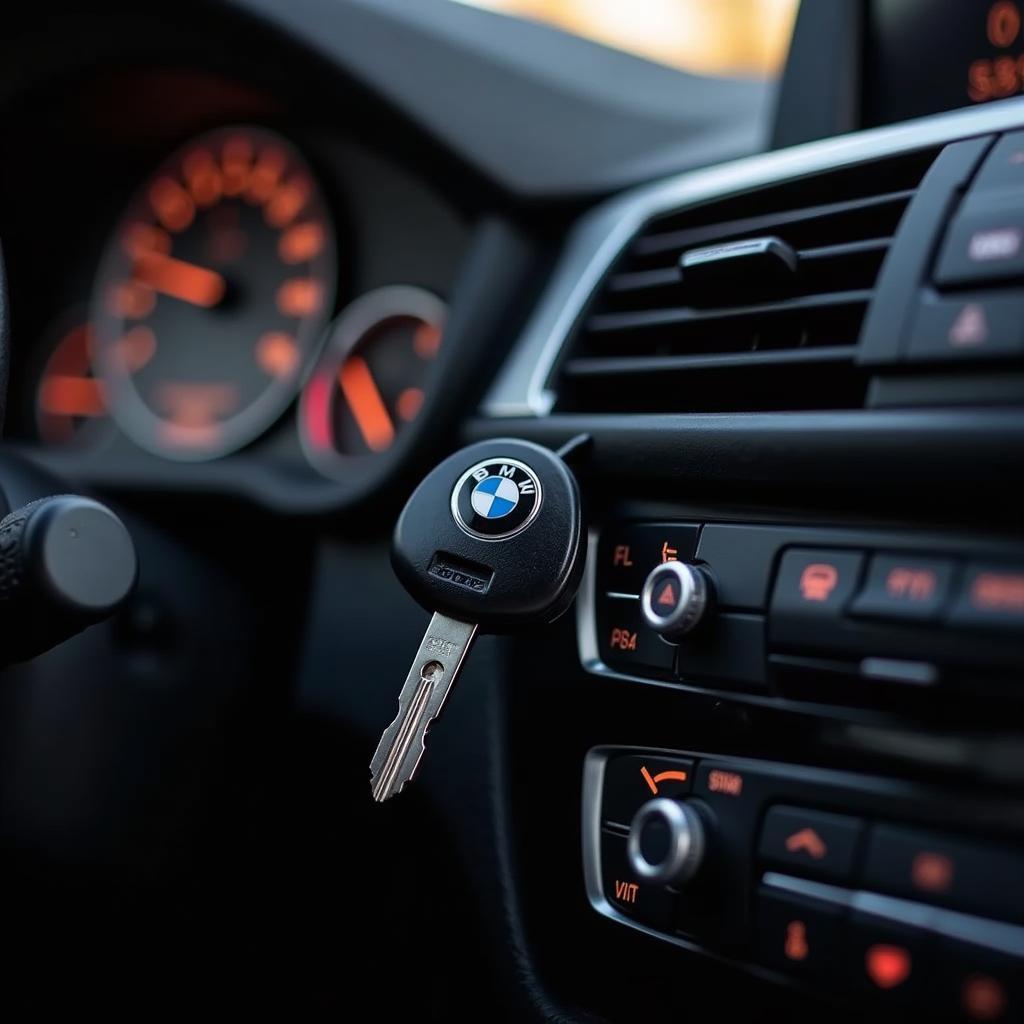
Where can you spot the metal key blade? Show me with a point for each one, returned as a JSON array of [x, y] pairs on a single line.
[[430, 680]]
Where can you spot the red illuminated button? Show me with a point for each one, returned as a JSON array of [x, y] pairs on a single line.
[[666, 595], [798, 935], [811, 842], [888, 966], [905, 587], [816, 582], [812, 589], [979, 878], [895, 963], [990, 597], [978, 984]]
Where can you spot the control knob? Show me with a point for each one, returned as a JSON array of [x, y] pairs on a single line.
[[667, 841], [675, 598]]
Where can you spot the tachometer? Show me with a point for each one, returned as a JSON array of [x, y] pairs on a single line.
[[371, 380], [213, 294]]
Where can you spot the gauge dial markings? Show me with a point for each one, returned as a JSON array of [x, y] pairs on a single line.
[[226, 258], [372, 380]]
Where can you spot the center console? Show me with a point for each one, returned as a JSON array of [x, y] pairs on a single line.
[[795, 390]]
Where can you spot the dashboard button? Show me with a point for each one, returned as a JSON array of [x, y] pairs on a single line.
[[643, 901], [990, 597], [1003, 168], [984, 245], [980, 985], [975, 326], [891, 961], [956, 873], [811, 842], [798, 935], [905, 587], [630, 781], [812, 589], [629, 551], [625, 640]]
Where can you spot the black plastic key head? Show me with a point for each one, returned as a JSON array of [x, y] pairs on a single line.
[[494, 535]]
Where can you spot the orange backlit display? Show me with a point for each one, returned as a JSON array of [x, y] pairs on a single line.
[[923, 57], [212, 296], [372, 380], [999, 75]]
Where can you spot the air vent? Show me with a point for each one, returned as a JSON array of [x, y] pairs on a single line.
[[747, 304]]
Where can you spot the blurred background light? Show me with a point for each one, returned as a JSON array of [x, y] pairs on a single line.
[[745, 38]]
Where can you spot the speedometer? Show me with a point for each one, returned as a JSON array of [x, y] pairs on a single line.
[[213, 294]]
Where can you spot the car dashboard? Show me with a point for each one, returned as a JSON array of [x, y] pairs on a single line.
[[786, 366]]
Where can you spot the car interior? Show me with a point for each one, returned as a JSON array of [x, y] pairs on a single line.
[[639, 384]]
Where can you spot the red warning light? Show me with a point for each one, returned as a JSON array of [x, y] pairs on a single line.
[[817, 581], [887, 966]]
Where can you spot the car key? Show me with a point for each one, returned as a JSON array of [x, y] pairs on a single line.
[[491, 540]]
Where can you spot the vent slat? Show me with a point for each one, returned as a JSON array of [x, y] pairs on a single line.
[[666, 277], [831, 252], [616, 366], [771, 223], [669, 277], [747, 334], [637, 321]]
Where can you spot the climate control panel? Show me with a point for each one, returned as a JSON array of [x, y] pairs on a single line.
[[852, 886], [838, 616]]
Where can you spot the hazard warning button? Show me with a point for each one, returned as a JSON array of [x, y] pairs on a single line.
[[666, 596], [970, 326], [674, 599]]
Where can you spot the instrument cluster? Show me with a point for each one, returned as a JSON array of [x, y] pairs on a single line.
[[225, 312]]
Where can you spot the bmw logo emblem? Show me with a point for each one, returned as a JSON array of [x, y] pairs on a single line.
[[496, 499]]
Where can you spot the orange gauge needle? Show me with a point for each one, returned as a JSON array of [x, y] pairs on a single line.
[[180, 280], [368, 409]]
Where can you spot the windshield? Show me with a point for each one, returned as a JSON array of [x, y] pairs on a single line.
[[733, 38]]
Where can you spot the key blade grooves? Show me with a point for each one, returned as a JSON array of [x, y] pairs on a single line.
[[445, 643], [408, 726]]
